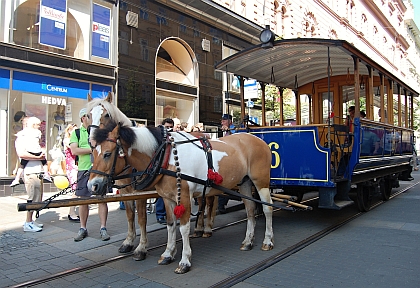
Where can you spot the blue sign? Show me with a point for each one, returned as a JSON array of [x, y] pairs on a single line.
[[4, 78], [52, 23], [45, 85], [101, 31], [254, 119], [100, 91]]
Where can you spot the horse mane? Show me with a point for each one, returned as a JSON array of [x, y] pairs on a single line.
[[115, 113], [125, 132], [143, 139]]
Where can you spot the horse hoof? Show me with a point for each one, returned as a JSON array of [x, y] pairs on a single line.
[[267, 247], [139, 256], [125, 248], [197, 234], [182, 269], [207, 235], [165, 261], [247, 247]]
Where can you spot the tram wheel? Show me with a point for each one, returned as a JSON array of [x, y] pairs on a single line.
[[364, 198], [386, 188]]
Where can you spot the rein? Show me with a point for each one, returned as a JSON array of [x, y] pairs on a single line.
[[220, 188]]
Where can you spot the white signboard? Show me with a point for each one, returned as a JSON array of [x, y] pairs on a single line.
[[250, 89]]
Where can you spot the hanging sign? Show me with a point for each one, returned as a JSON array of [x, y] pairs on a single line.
[[101, 31], [52, 23]]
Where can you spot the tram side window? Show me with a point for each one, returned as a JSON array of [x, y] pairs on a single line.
[[370, 142]]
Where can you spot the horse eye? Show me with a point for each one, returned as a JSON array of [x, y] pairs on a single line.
[[106, 115], [107, 155]]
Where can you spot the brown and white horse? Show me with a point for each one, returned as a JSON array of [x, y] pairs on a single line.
[[239, 158], [100, 114]]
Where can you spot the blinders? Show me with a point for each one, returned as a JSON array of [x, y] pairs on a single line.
[[119, 153]]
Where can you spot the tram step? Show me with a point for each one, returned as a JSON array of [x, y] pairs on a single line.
[[343, 203], [340, 179]]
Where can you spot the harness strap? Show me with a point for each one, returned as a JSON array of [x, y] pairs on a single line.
[[221, 188]]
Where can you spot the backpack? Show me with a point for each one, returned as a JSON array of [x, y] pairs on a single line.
[[77, 131]]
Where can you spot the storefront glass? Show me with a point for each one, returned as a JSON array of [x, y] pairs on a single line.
[[55, 101]]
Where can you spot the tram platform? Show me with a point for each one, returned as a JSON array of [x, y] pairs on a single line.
[[378, 249]]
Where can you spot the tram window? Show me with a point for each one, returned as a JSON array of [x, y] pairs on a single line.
[[327, 106], [305, 108]]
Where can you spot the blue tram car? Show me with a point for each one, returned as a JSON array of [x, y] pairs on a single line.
[[324, 151], [303, 163]]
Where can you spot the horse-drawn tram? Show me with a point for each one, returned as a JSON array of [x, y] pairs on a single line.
[[326, 151]]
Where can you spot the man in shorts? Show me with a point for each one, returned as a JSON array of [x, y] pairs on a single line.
[[32, 181], [82, 148]]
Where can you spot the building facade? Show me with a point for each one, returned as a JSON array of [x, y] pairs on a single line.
[[53, 54], [166, 59]]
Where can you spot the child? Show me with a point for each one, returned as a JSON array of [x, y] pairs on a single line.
[[32, 135]]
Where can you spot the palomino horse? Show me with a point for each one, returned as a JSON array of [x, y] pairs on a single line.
[[101, 111], [239, 158]]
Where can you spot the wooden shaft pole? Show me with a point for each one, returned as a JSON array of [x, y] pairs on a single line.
[[292, 203], [282, 196], [87, 200]]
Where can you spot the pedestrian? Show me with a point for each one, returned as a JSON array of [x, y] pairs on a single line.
[[350, 118], [228, 129], [32, 136], [81, 148], [168, 123], [184, 126], [31, 174], [71, 169]]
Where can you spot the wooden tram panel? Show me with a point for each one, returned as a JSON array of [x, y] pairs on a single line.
[[87, 200]]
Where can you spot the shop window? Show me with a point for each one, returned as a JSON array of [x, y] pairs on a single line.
[[54, 118], [26, 31]]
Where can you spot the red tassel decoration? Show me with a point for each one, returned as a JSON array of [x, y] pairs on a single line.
[[179, 211], [214, 176]]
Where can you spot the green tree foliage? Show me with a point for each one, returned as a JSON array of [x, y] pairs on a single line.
[[272, 103], [133, 103]]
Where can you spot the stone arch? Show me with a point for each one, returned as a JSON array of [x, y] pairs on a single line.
[[176, 82], [176, 62]]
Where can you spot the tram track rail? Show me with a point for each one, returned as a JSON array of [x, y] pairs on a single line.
[[239, 276], [262, 265]]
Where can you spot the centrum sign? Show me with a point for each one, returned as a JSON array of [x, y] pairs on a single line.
[[50, 87]]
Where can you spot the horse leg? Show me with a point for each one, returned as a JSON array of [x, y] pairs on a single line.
[[211, 204], [141, 250], [248, 242], [199, 222], [127, 245], [268, 242], [168, 255], [184, 228]]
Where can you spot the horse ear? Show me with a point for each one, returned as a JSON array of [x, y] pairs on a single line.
[[89, 98], [109, 97], [115, 132]]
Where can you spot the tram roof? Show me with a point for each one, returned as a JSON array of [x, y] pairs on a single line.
[[301, 60]]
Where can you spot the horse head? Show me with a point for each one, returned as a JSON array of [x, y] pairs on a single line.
[[112, 144]]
